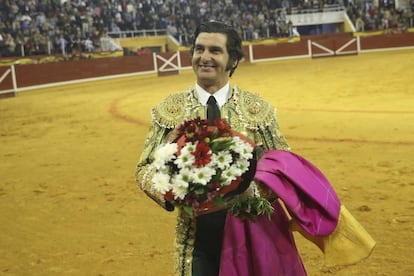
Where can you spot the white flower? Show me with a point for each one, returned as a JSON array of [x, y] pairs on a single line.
[[186, 159], [161, 182], [164, 154], [203, 175], [189, 148], [222, 159], [242, 165], [179, 187], [230, 174], [179, 192], [244, 149], [186, 175]]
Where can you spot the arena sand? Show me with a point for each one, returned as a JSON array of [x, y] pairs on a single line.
[[69, 204]]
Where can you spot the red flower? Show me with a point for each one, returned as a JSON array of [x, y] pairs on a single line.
[[169, 196], [222, 124], [223, 127], [192, 129], [202, 155], [205, 134]]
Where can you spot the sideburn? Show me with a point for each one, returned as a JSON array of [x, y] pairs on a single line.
[[231, 66]]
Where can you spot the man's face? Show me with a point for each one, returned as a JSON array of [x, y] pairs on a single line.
[[210, 59]]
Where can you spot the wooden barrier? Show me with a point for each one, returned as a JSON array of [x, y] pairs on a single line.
[[381, 42], [6, 82], [30, 76]]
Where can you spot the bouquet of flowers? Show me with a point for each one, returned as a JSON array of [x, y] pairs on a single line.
[[206, 162]]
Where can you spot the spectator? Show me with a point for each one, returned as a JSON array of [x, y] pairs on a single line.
[[40, 42], [359, 24], [88, 45], [62, 44], [3, 46], [172, 29], [254, 19]]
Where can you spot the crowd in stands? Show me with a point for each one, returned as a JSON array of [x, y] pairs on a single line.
[[47, 27], [368, 17]]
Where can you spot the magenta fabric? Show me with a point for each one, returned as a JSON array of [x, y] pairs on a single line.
[[267, 247], [263, 248], [306, 192]]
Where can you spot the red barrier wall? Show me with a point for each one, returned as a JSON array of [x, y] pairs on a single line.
[[185, 58], [54, 72], [280, 50], [334, 43], [7, 82], [387, 41], [37, 74]]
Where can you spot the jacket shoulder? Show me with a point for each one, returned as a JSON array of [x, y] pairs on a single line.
[[255, 111], [171, 111]]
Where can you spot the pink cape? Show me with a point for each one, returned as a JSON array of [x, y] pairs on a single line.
[[268, 247]]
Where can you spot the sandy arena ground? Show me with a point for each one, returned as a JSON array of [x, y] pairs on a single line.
[[69, 204]]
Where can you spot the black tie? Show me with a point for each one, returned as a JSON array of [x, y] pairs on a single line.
[[213, 111], [209, 227]]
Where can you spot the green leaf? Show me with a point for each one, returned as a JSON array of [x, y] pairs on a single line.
[[188, 210], [221, 144], [219, 201], [199, 191], [251, 207]]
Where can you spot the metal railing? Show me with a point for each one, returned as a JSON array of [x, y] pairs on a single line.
[[180, 37], [138, 33]]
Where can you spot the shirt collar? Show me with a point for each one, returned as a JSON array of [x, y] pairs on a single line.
[[221, 95]]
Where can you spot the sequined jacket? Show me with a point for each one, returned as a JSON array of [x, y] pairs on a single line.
[[246, 112]]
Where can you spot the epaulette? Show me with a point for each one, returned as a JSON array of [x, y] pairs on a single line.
[[170, 112], [253, 110]]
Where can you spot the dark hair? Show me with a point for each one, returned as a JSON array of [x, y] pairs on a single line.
[[234, 42]]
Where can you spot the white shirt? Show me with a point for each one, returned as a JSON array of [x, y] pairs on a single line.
[[221, 95]]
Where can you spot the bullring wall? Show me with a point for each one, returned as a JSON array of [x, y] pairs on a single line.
[[30, 76]]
